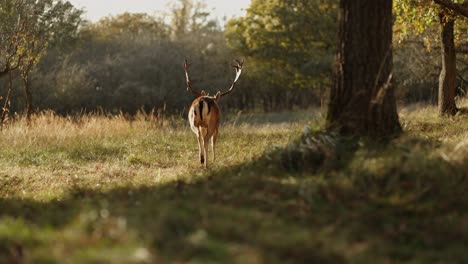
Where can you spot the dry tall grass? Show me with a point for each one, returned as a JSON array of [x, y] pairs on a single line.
[[44, 158]]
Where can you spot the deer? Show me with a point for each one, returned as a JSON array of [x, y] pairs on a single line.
[[204, 114]]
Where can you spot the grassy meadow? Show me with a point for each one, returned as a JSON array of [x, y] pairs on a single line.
[[99, 189]]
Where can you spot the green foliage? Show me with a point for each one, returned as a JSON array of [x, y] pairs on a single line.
[[10, 33], [29, 27], [289, 43], [417, 45], [415, 16], [292, 31], [132, 61], [125, 63]]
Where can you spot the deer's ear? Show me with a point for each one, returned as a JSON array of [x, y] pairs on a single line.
[[203, 93], [217, 96]]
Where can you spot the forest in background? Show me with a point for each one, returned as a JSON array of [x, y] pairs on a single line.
[[134, 61]]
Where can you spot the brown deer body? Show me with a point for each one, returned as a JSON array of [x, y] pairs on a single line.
[[205, 115]]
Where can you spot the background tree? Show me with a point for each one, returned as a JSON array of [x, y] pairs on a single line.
[[362, 100], [417, 16], [12, 32], [28, 28], [448, 74], [131, 62], [47, 23], [289, 46], [188, 16]]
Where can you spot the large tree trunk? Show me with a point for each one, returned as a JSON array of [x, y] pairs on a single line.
[[362, 100], [448, 75]]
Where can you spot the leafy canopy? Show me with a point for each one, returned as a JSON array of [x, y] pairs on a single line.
[[290, 42]]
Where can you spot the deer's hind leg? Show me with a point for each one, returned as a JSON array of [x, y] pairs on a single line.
[[206, 143], [201, 146], [213, 143]]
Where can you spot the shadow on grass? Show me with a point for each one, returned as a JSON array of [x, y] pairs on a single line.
[[380, 203], [231, 214]]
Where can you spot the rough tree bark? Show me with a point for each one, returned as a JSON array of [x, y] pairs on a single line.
[[362, 100], [448, 74]]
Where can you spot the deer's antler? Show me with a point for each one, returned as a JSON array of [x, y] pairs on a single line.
[[187, 78], [238, 66]]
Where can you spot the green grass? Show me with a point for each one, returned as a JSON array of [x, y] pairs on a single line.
[[109, 190]]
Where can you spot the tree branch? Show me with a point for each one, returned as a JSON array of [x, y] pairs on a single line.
[[461, 9]]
